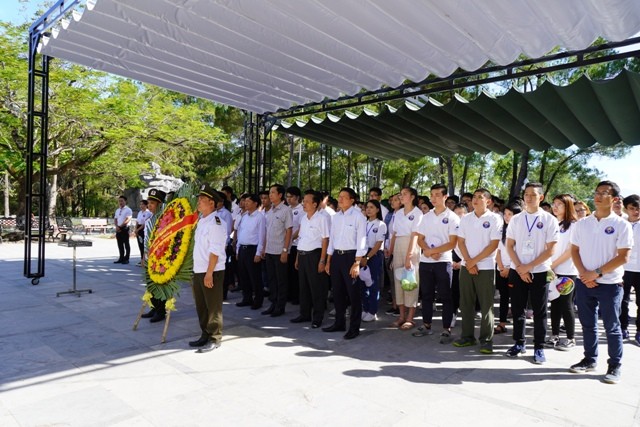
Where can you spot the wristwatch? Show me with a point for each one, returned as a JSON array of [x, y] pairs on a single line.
[[366, 257], [598, 271], [284, 250]]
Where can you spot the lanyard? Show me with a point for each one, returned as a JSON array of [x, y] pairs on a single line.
[[529, 228], [370, 228]]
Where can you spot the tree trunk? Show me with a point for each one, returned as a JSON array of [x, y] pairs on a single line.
[[441, 162], [543, 167], [524, 169], [514, 176], [53, 192], [465, 171], [7, 189], [480, 175], [348, 168], [406, 179], [450, 180], [290, 173]]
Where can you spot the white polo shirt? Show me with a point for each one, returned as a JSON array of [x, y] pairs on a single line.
[[210, 238], [504, 255], [121, 215], [348, 232], [405, 224], [634, 253], [436, 230], [313, 230], [478, 233], [599, 241], [375, 231], [564, 242], [531, 233]]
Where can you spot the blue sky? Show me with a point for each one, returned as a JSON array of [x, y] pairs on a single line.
[[625, 172]]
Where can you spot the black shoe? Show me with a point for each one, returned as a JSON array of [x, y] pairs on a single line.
[[118, 261], [315, 325], [351, 335], [126, 261], [209, 346], [256, 306], [277, 313], [244, 304], [200, 342], [334, 328], [268, 310], [300, 319], [150, 314], [158, 317]]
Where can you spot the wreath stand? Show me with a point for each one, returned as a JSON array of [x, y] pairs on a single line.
[[166, 322]]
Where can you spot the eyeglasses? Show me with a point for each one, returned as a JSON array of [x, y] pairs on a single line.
[[601, 194], [581, 210]]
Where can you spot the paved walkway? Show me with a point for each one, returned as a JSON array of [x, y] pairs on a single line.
[[76, 361]]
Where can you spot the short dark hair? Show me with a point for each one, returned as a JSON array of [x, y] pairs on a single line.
[[253, 197], [280, 189], [294, 191], [376, 190], [633, 200], [122, 197], [377, 205], [244, 196], [227, 189], [469, 195], [441, 187], [615, 189], [534, 185], [461, 206], [263, 193], [317, 197], [145, 202], [352, 194], [486, 193], [547, 204], [453, 197]]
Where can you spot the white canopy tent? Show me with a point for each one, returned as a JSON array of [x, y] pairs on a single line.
[[268, 55]]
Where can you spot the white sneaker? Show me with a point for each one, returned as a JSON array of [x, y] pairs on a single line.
[[369, 317]]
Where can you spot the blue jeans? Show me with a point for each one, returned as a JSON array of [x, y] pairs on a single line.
[[371, 295], [608, 298]]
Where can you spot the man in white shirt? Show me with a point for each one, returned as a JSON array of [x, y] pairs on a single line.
[[600, 247], [311, 260], [347, 246], [293, 196], [478, 237], [437, 236], [631, 278], [375, 193], [250, 241], [208, 270], [122, 218], [531, 238], [141, 219]]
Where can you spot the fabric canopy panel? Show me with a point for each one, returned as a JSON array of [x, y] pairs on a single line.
[[267, 55], [586, 112]]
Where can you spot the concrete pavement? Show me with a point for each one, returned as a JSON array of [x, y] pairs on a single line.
[[75, 361]]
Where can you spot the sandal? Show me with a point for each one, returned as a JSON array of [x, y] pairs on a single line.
[[500, 329], [407, 325], [398, 323]]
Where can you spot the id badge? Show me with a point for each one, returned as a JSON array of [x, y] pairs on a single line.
[[528, 248]]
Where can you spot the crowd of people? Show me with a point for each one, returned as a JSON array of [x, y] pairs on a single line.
[[309, 249]]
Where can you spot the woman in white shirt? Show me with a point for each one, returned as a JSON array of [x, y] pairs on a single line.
[[503, 263], [376, 230], [406, 254], [562, 265]]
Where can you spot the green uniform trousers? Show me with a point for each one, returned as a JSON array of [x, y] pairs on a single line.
[[481, 286], [209, 305]]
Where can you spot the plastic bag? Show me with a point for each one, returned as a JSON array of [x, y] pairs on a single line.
[[409, 282]]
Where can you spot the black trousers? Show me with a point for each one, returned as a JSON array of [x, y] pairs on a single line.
[[562, 308], [124, 249], [230, 268], [140, 239], [293, 289], [631, 279], [250, 275], [537, 293], [278, 278], [346, 289], [314, 286], [502, 285], [436, 276]]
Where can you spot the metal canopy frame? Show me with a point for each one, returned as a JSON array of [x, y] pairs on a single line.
[[464, 79]]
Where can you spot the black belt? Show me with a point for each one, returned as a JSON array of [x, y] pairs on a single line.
[[308, 252], [341, 252], [248, 246]]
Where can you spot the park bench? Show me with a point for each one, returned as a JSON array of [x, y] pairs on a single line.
[[64, 227], [101, 225], [7, 225]]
